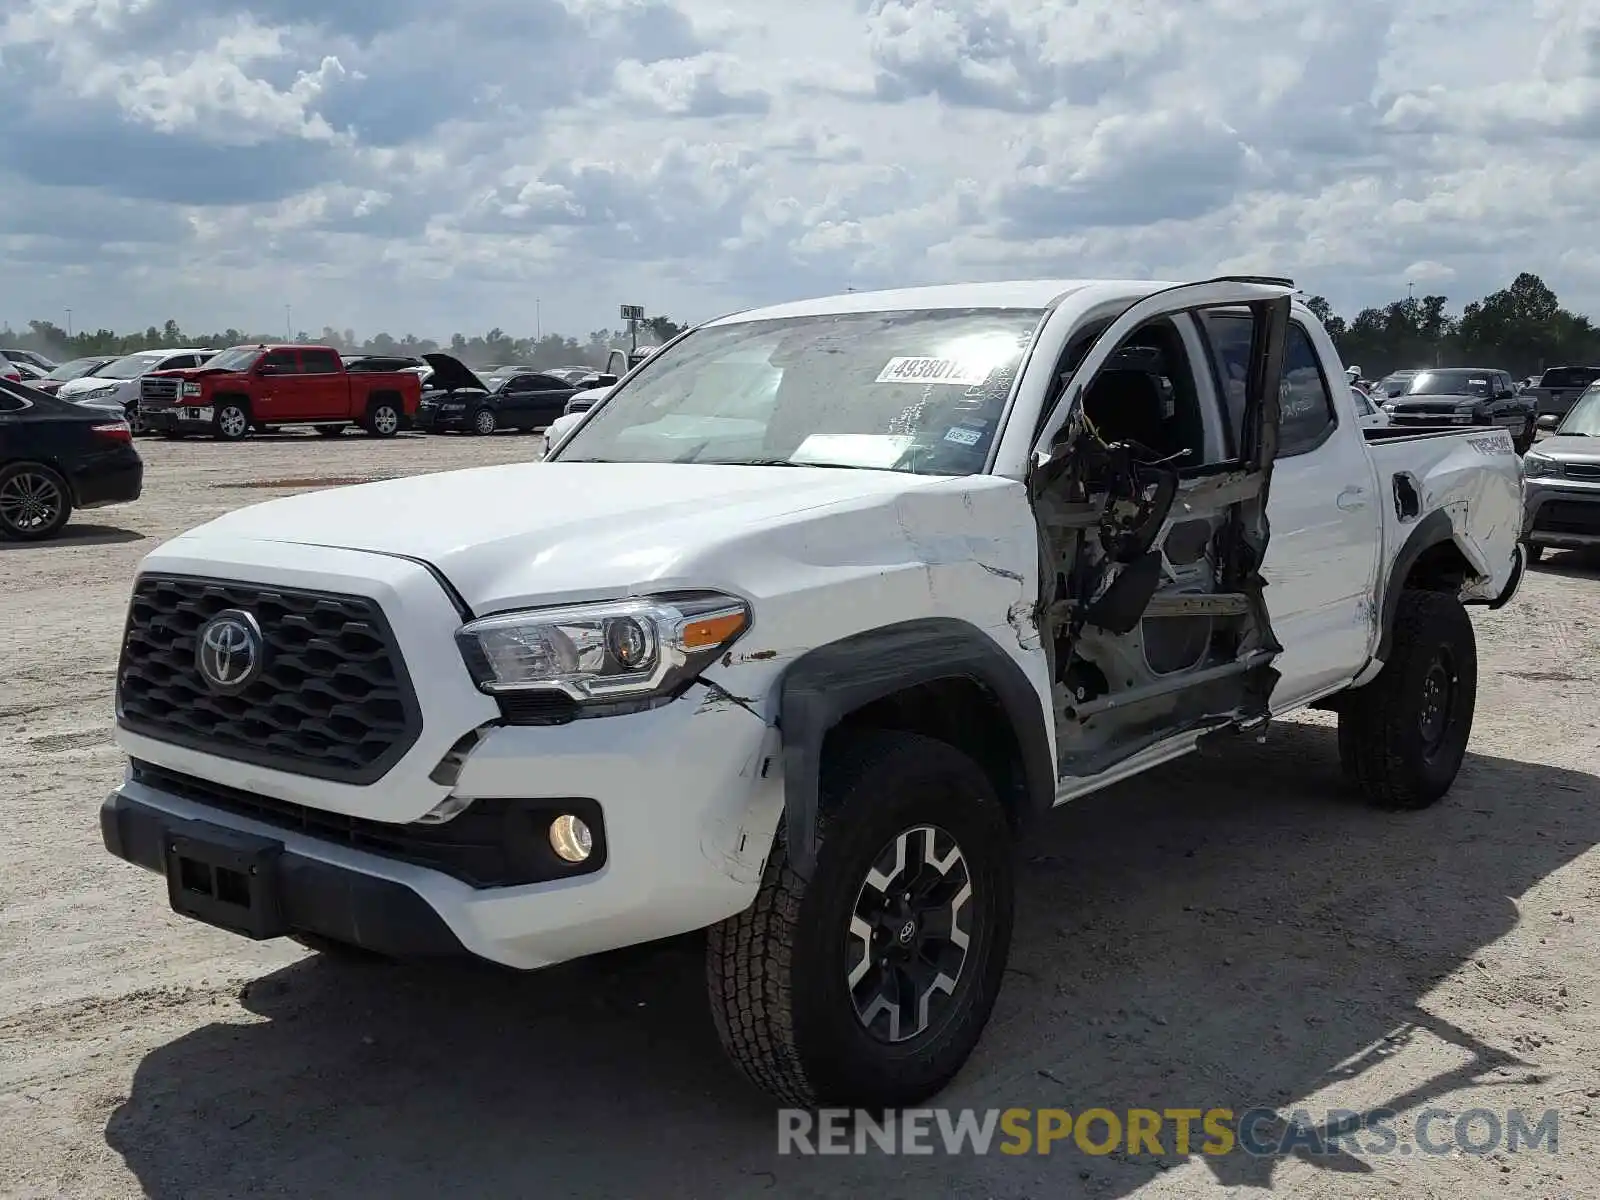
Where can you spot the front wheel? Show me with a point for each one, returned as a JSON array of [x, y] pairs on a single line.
[[484, 422], [232, 423], [383, 420], [869, 984], [35, 502], [1403, 737]]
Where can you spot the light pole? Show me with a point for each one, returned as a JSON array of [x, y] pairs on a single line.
[[288, 325], [69, 323], [538, 323]]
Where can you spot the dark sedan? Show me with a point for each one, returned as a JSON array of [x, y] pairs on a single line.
[[1466, 396], [455, 398], [55, 457]]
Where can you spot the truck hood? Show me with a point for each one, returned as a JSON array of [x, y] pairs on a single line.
[[450, 374], [533, 533], [201, 372]]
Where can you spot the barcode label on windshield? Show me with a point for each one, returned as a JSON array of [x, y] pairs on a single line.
[[933, 370]]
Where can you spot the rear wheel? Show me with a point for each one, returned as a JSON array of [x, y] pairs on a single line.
[[231, 422], [1402, 738], [35, 502], [869, 983], [383, 420], [1535, 552]]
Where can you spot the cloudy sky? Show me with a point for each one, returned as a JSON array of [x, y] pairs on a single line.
[[419, 166]]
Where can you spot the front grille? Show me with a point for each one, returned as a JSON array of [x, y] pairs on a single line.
[[491, 843], [1582, 471], [155, 392], [1568, 516], [333, 700]]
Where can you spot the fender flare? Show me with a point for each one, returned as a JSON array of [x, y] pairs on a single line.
[[826, 684], [1433, 530]]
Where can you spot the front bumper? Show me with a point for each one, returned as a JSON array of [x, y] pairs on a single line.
[[314, 896], [432, 420], [686, 812], [176, 420], [1564, 514]]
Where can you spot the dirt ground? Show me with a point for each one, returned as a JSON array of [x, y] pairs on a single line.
[[1232, 931]]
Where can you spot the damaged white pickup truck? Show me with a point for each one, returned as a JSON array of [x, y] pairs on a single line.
[[821, 609]]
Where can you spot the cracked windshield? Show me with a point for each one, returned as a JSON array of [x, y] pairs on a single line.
[[920, 392]]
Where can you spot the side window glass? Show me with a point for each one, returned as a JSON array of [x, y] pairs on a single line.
[[1306, 412], [1306, 404], [319, 362], [1229, 334], [282, 362]]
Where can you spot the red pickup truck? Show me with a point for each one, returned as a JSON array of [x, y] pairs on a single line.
[[263, 387]]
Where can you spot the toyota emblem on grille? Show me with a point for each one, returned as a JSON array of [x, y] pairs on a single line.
[[231, 652]]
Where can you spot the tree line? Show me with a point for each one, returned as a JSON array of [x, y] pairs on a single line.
[[1521, 329], [495, 348]]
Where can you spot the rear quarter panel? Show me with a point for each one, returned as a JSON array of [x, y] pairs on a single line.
[[366, 384], [1475, 478]]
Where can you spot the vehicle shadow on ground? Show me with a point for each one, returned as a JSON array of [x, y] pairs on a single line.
[[1568, 562], [79, 535], [1227, 932]]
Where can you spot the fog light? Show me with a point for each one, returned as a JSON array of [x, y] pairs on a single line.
[[570, 838]]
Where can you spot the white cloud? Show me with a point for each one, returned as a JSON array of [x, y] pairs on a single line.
[[408, 167]]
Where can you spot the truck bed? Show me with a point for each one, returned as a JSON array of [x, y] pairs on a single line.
[[1413, 433], [1469, 474]]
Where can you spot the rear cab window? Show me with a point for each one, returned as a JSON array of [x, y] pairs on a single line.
[[1569, 377]]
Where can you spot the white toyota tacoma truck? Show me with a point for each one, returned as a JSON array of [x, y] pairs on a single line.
[[792, 639]]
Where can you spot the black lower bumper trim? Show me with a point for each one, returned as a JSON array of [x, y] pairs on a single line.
[[313, 897]]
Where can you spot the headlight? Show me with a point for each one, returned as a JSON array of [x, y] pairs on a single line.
[[98, 393], [1537, 466], [191, 389], [598, 653]]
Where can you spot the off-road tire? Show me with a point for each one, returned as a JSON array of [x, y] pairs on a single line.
[[777, 972], [32, 492], [1384, 745]]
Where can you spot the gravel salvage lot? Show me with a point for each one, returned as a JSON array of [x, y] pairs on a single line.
[[1232, 931]]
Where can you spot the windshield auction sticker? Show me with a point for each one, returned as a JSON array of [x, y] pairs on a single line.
[[933, 370]]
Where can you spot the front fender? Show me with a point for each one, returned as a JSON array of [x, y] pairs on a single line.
[[828, 683]]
